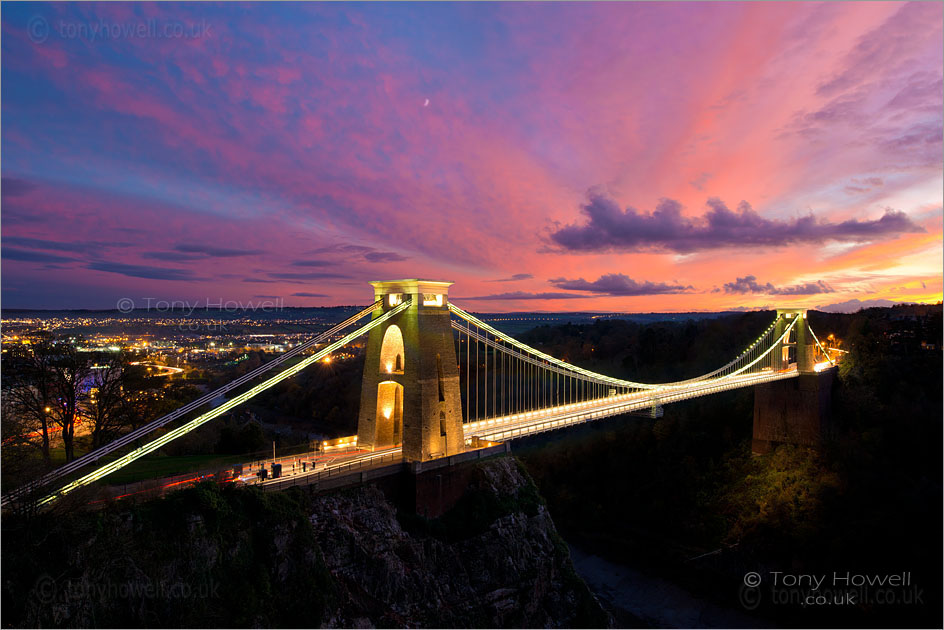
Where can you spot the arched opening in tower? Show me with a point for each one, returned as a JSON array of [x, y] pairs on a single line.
[[389, 413], [391, 351]]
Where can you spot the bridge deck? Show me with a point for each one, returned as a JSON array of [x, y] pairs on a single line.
[[520, 425]]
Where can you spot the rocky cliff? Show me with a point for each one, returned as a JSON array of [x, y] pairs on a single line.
[[211, 556]]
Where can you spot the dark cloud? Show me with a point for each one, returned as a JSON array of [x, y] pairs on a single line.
[[749, 284], [809, 288], [370, 254], [12, 253], [375, 257], [312, 263], [215, 252], [60, 246], [314, 275], [141, 271], [342, 248], [174, 256], [259, 280], [515, 278], [310, 295], [609, 228], [617, 284], [15, 187], [15, 214], [524, 295]]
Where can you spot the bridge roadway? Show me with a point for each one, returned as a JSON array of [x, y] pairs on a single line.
[[505, 428]]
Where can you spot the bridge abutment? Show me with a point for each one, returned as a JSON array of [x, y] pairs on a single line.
[[436, 487], [792, 411]]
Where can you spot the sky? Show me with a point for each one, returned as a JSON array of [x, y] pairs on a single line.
[[558, 157]]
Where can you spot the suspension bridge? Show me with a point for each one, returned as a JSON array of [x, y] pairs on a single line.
[[439, 382]]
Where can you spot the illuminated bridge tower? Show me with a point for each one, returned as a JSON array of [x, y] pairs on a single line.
[[410, 393], [798, 347], [796, 410]]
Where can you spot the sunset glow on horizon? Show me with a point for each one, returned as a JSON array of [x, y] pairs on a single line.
[[553, 157]]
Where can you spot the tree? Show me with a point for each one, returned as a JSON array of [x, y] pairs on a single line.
[[70, 377], [106, 408], [21, 442], [29, 392]]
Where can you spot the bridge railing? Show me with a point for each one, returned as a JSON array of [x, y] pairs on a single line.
[[334, 472], [501, 429]]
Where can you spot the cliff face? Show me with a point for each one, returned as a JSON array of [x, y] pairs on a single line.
[[495, 560], [208, 557]]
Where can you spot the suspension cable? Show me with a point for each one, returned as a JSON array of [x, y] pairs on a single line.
[[602, 378], [588, 379], [822, 349]]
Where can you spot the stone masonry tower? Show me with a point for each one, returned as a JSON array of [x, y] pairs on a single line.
[[796, 410], [410, 392], [798, 346]]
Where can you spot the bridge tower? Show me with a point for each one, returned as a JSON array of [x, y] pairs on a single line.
[[796, 410], [410, 390], [798, 347]]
